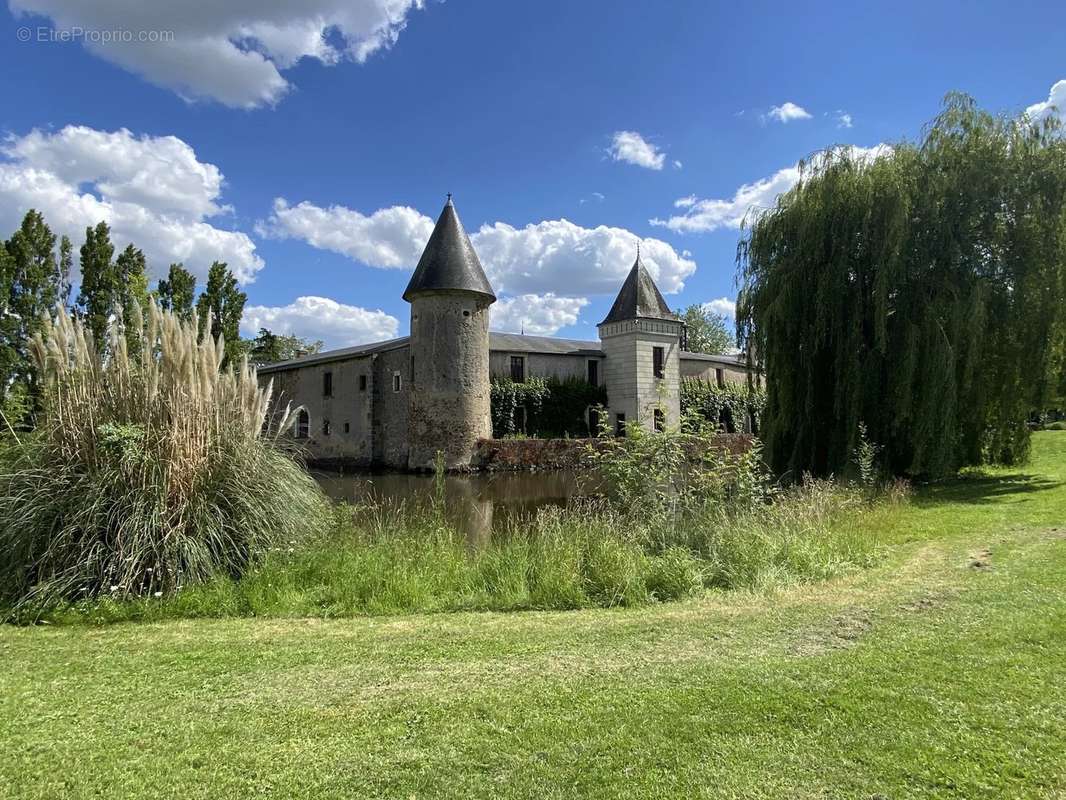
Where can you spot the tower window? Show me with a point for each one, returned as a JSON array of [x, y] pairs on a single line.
[[658, 361], [659, 418], [327, 384], [397, 381], [303, 424], [594, 372], [518, 369], [362, 383], [619, 424], [347, 427]]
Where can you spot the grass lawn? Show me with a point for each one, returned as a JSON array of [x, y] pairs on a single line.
[[939, 672]]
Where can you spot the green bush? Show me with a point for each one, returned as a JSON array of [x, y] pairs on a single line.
[[146, 473], [1056, 426]]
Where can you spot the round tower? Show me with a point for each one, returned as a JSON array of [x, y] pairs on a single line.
[[448, 400]]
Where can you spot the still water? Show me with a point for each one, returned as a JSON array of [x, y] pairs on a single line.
[[478, 503]]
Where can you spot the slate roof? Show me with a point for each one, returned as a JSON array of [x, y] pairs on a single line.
[[500, 342], [449, 261], [639, 298]]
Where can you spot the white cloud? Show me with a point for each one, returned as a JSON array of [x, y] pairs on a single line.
[[722, 306], [844, 119], [1055, 105], [705, 215], [390, 238], [597, 196], [548, 256], [229, 51], [632, 148], [538, 314], [786, 112], [336, 324], [559, 256], [151, 190], [677, 164]]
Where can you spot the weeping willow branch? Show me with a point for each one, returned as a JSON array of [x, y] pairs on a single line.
[[920, 291]]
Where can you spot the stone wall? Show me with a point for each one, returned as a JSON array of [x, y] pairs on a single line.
[[390, 441], [544, 365], [449, 398], [340, 421]]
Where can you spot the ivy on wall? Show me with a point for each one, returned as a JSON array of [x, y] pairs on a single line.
[[543, 407], [727, 406]]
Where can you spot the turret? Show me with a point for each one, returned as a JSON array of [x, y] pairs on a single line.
[[449, 372], [641, 339]]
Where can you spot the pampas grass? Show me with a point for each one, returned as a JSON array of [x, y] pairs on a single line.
[[152, 467]]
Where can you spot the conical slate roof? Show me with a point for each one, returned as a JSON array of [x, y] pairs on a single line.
[[449, 261], [639, 297]]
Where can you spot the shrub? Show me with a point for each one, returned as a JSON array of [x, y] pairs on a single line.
[[151, 468], [1057, 426]]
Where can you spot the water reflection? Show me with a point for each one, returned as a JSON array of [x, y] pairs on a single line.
[[477, 503]]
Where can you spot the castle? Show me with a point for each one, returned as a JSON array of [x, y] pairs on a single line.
[[398, 403]]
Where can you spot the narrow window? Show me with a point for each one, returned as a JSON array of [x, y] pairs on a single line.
[[362, 383], [397, 382], [412, 376], [594, 422], [658, 359], [347, 428], [325, 427], [520, 419], [619, 424], [594, 372], [327, 384], [303, 424], [518, 369], [659, 420], [719, 377]]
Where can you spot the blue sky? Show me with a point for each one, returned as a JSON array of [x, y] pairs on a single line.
[[311, 143]]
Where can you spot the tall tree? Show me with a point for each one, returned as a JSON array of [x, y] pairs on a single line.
[[66, 263], [270, 348], [920, 293], [220, 308], [132, 273], [32, 290], [99, 291], [177, 292], [707, 332]]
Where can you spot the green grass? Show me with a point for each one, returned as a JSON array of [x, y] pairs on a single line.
[[940, 671]]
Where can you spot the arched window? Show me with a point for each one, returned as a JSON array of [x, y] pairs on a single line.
[[303, 424]]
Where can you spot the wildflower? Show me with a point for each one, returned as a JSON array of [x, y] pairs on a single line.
[[158, 594]]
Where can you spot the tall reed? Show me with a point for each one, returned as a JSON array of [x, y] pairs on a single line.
[[151, 467]]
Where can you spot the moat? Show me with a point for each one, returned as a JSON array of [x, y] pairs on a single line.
[[478, 503]]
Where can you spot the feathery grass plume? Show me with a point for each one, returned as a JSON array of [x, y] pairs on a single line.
[[151, 467]]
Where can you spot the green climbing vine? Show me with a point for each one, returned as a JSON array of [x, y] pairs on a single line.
[[727, 406]]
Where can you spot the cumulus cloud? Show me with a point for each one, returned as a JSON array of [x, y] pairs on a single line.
[[702, 215], [389, 238], [722, 306], [844, 119], [231, 51], [336, 324], [538, 314], [549, 256], [787, 112], [632, 148], [1054, 106], [151, 190], [557, 255]]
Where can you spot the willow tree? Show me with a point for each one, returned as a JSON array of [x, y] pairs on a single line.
[[919, 291]]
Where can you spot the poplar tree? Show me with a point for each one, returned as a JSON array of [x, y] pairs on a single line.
[[66, 263], [177, 292], [99, 291], [220, 308], [31, 286], [920, 293]]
